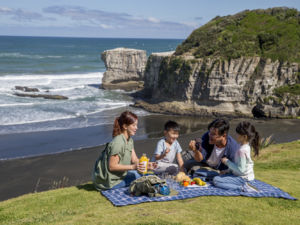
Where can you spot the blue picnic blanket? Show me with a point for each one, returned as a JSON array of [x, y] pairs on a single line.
[[121, 197]]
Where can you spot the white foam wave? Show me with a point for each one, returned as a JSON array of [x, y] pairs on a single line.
[[78, 56], [53, 77], [68, 88], [76, 115], [19, 55], [27, 104], [16, 104], [38, 121]]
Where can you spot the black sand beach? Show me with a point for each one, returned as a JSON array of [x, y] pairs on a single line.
[[41, 173], [36, 174]]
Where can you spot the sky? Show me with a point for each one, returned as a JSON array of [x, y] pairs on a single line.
[[119, 18]]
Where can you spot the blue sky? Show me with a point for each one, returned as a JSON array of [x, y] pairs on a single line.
[[119, 18]]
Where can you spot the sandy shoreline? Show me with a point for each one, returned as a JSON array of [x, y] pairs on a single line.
[[41, 173]]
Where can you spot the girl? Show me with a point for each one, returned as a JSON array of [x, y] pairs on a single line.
[[118, 164], [242, 167]]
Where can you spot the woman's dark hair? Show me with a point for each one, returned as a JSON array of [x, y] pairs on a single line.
[[246, 128], [126, 118], [172, 125], [221, 124]]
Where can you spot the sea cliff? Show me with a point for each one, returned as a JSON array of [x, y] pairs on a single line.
[[237, 87]]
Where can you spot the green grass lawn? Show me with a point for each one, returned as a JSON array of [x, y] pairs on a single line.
[[278, 165]]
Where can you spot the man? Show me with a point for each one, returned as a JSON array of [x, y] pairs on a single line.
[[214, 144]]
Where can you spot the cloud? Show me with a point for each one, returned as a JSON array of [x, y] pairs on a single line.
[[82, 21], [112, 20], [82, 14], [153, 20], [22, 15], [105, 26]]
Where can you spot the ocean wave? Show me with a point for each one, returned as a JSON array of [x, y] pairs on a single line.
[[38, 121], [78, 56], [19, 55], [52, 77], [75, 115], [68, 88], [16, 104], [27, 104]]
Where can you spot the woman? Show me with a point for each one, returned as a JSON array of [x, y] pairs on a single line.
[[118, 164]]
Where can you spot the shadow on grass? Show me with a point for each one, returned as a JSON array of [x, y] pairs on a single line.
[[87, 187]]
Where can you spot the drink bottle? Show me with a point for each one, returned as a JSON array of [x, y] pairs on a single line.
[[144, 160]]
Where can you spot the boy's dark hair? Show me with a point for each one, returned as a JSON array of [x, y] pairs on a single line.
[[172, 125], [221, 124]]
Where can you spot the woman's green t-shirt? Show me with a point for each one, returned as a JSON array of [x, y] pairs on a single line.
[[102, 177]]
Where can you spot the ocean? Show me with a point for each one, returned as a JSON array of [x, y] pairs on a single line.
[[71, 67]]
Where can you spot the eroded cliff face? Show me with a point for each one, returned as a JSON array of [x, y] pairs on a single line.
[[124, 68], [215, 86], [152, 71]]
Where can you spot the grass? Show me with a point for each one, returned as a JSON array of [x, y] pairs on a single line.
[[290, 89], [278, 165]]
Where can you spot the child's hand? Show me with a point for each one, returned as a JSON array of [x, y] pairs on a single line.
[[224, 160], [222, 172], [167, 151], [152, 165]]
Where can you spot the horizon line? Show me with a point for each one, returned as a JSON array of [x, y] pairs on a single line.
[[4, 35]]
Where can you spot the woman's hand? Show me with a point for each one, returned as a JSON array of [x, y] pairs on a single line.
[[140, 167], [134, 166]]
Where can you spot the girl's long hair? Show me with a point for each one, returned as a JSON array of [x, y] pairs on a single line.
[[246, 128], [126, 118]]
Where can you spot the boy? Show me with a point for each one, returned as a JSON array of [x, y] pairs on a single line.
[[168, 149]]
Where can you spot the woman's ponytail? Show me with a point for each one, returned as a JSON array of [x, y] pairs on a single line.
[[117, 129]]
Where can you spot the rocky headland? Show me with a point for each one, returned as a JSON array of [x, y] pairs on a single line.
[[124, 69], [241, 65]]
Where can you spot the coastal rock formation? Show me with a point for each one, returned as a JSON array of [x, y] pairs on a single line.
[[26, 89], [55, 97], [124, 68], [152, 71], [190, 86]]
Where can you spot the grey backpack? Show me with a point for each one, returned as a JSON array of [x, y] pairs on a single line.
[[146, 185]]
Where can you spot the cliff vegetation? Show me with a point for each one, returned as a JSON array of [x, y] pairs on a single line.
[[272, 33]]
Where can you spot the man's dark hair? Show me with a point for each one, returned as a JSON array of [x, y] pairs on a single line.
[[172, 125], [221, 124]]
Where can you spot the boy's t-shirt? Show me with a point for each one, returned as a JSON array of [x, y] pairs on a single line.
[[161, 148]]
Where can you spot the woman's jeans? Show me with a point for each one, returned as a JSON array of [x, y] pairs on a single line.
[[229, 182], [131, 176]]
